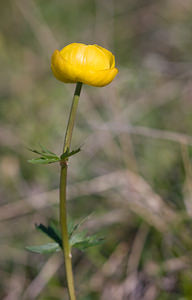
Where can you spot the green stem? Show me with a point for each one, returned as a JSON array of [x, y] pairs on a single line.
[[71, 121], [63, 206]]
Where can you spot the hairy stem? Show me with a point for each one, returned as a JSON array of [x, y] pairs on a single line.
[[63, 184]]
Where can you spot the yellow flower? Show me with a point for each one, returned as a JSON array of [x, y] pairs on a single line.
[[90, 64]]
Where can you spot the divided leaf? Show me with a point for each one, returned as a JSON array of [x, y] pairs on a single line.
[[77, 239], [48, 157]]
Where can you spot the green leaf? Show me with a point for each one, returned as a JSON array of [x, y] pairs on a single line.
[[77, 238], [72, 227], [46, 156], [56, 230], [87, 244], [67, 154], [52, 232], [34, 151], [45, 249], [81, 241], [45, 150], [43, 160]]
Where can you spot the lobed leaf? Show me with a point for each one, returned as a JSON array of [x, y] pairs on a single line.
[[48, 157], [78, 240]]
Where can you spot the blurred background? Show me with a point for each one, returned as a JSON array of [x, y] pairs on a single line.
[[134, 172]]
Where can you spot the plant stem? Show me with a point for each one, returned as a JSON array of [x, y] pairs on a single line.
[[63, 184], [71, 121]]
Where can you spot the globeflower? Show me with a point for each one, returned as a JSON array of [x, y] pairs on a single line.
[[89, 64], [76, 63]]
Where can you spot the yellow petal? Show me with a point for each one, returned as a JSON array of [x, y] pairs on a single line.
[[109, 55], [99, 78], [90, 64], [74, 53], [96, 59], [62, 69]]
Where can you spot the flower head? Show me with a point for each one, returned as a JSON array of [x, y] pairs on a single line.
[[89, 64]]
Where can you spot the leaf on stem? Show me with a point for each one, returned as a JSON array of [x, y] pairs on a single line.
[[48, 157], [44, 249], [73, 227], [67, 154], [77, 239], [52, 232], [81, 241], [43, 160]]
